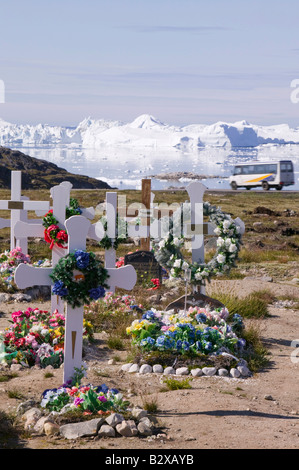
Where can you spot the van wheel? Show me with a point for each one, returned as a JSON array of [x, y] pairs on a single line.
[[248, 188], [265, 186], [234, 185], [279, 187]]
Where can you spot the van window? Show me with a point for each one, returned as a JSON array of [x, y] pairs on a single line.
[[285, 167], [237, 170]]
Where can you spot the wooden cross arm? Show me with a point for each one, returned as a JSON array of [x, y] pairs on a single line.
[[4, 223], [28, 276], [29, 229], [124, 277]]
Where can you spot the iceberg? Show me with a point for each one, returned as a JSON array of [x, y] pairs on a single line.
[[147, 132]]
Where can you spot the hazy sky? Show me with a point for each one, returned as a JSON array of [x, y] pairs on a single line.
[[183, 61]]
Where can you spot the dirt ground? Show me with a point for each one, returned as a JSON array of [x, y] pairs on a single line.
[[260, 412]]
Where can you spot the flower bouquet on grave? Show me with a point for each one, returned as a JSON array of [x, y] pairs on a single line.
[[36, 337], [87, 398], [201, 331], [9, 260]]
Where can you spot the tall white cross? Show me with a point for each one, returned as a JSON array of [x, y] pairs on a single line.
[[78, 228], [60, 195], [196, 229]]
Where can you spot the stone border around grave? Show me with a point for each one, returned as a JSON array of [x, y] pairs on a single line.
[[115, 425], [240, 371]]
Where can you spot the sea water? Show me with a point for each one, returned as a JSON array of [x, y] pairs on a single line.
[[124, 168]]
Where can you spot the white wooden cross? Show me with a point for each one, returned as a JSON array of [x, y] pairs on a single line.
[[78, 228], [19, 205], [196, 229], [60, 195]]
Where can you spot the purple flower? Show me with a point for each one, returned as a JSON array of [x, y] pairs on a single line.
[[102, 398], [78, 401]]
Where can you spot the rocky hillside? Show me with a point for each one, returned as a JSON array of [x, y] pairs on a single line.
[[40, 174]]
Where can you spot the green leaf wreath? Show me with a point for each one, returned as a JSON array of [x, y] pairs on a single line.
[[121, 233], [168, 250], [79, 278]]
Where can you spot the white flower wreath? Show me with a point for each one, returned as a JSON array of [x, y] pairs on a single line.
[[168, 250]]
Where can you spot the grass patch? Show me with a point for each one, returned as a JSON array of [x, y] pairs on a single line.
[[14, 393], [6, 376], [175, 384], [48, 375], [114, 342], [254, 305], [256, 354], [150, 403]]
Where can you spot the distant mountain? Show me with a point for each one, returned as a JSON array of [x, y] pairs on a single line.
[[38, 174], [146, 131]]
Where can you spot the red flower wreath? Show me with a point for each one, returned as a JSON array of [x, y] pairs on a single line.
[[53, 233]]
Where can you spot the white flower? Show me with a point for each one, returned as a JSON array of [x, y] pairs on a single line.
[[232, 248], [220, 241], [161, 243], [177, 263], [185, 265], [177, 241], [226, 225], [217, 231], [220, 258], [198, 276], [228, 241]]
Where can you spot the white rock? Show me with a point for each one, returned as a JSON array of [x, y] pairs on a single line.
[[126, 367], [139, 413], [235, 373], [114, 419], [106, 431], [158, 369], [196, 372], [169, 370], [244, 371], [127, 428], [145, 369], [223, 372], [144, 429], [133, 369], [182, 371], [51, 428], [209, 371]]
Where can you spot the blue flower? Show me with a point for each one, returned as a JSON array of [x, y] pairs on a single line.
[[82, 259], [207, 345], [114, 391], [186, 345], [201, 318], [96, 292], [147, 341], [241, 343], [179, 344], [198, 345], [103, 388], [59, 289], [149, 315]]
